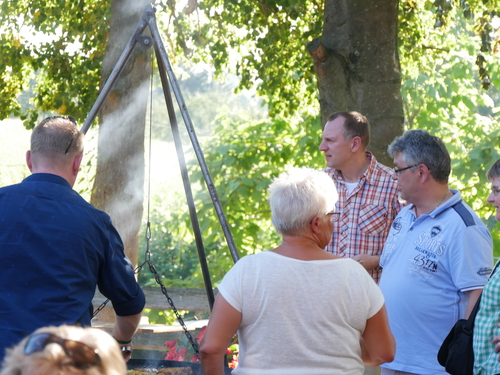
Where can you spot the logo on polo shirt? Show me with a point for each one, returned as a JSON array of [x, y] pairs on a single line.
[[435, 230], [396, 225], [484, 271]]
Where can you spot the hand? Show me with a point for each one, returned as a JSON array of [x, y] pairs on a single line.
[[126, 351], [370, 262], [496, 342]]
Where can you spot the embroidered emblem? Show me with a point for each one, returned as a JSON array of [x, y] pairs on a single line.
[[435, 231], [396, 225], [484, 271]]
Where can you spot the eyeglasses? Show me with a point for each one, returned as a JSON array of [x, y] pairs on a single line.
[[335, 215], [82, 355], [494, 190], [397, 171], [69, 118], [72, 138]]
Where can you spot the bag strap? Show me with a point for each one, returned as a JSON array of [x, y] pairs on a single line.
[[472, 317]]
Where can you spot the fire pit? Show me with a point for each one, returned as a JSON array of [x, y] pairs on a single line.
[[153, 365]]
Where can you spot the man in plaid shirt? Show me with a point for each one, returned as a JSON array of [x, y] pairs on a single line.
[[368, 196], [486, 332]]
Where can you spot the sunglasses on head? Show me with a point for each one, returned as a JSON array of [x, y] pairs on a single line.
[[82, 355], [62, 117], [69, 118]]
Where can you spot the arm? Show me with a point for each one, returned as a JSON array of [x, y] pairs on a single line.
[[473, 296], [222, 326], [377, 342], [496, 342], [370, 262], [124, 329]]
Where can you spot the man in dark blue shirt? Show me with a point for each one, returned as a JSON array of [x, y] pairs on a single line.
[[55, 248]]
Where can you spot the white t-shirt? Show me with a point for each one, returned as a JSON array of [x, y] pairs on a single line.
[[300, 317], [350, 186]]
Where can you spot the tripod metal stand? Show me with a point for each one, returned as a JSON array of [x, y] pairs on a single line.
[[168, 81]]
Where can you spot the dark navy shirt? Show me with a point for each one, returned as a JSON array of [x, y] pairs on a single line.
[[55, 248]]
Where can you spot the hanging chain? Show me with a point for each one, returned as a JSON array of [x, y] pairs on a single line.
[[152, 268], [147, 257]]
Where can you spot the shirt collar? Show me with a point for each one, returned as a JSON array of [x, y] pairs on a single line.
[[368, 175], [455, 198], [48, 177]]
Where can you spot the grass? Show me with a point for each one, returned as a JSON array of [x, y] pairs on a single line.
[[165, 178]]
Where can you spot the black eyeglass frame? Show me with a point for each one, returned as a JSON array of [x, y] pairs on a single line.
[[81, 360], [335, 215], [398, 171], [69, 118], [72, 138]]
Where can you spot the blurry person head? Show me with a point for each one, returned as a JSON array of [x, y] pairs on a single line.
[[65, 350], [297, 196], [493, 175], [494, 171]]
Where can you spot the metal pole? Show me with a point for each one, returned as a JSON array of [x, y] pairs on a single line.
[[162, 55], [187, 185], [120, 64]]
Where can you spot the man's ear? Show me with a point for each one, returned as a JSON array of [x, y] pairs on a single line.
[[76, 164], [29, 163], [424, 172], [356, 144]]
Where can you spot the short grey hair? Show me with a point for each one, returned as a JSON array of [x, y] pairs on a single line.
[[297, 196], [57, 134], [419, 147], [494, 171]]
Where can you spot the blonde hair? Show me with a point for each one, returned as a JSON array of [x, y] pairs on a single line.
[[52, 360]]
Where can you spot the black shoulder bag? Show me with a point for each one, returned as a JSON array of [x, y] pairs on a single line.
[[456, 353]]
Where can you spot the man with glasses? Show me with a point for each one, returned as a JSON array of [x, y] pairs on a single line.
[[436, 259], [56, 248], [368, 196]]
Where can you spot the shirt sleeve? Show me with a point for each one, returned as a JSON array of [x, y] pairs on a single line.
[[471, 258], [230, 286], [117, 277]]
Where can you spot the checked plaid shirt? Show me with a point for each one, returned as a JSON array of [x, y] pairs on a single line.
[[366, 214], [485, 328]]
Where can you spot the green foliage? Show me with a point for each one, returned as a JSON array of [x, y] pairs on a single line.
[[63, 43], [263, 43], [243, 158], [174, 258], [206, 99], [442, 95], [423, 25]]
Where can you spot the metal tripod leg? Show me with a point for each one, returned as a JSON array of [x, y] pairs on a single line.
[[165, 68], [162, 55]]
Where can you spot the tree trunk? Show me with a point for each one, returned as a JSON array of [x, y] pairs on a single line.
[[357, 66], [119, 183]]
